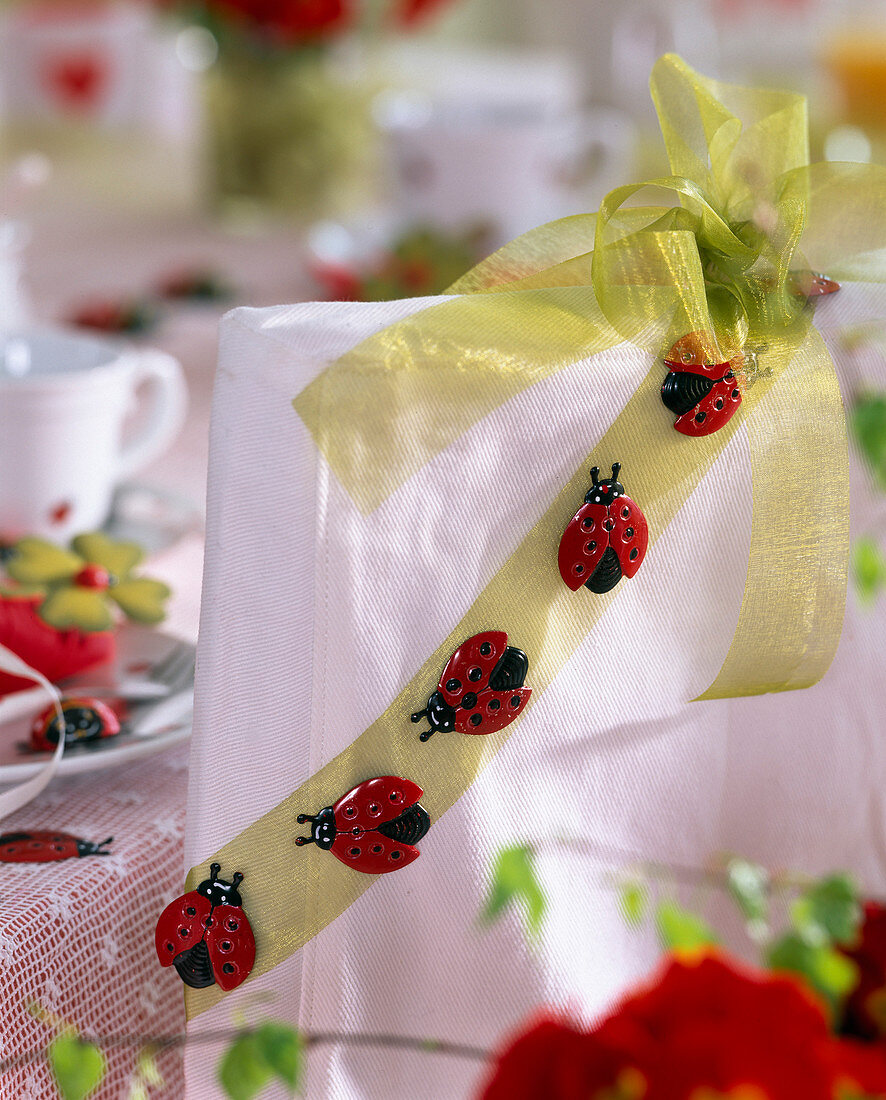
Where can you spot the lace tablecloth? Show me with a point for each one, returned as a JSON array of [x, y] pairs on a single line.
[[76, 937]]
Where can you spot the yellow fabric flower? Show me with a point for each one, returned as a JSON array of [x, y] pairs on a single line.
[[81, 583]]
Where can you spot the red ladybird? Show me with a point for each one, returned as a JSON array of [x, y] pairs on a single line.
[[85, 720], [606, 539], [206, 935], [47, 847], [703, 394], [813, 285], [481, 689], [374, 827]]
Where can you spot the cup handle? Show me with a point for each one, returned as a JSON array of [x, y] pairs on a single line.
[[168, 395], [605, 142]]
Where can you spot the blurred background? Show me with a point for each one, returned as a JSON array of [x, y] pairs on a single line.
[[160, 152]]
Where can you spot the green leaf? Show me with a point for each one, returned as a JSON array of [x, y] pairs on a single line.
[[147, 1067], [681, 930], [37, 561], [824, 969], [829, 911], [141, 599], [255, 1058], [634, 901], [67, 608], [77, 1066], [281, 1048], [243, 1071], [868, 569], [514, 881], [868, 424], [117, 557], [749, 884]]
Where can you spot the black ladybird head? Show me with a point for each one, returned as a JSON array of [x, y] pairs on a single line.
[[323, 830], [88, 848], [218, 891], [607, 490], [439, 713]]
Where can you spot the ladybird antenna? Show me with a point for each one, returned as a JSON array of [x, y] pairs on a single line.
[[214, 869], [301, 841], [426, 735], [417, 717], [101, 848], [302, 818], [238, 878], [616, 467], [595, 474]]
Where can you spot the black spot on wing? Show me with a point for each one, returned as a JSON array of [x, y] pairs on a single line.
[[511, 670], [681, 392], [607, 574], [194, 967], [409, 827]]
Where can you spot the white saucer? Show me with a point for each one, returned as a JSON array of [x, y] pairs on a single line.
[[157, 725]]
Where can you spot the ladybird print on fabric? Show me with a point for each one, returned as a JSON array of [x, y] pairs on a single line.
[[44, 846], [481, 689], [606, 539], [206, 935], [703, 394], [374, 827]]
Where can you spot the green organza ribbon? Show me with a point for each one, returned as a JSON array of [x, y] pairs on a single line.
[[715, 248], [720, 251]]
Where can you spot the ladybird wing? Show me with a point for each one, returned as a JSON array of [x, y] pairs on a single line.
[[583, 544], [373, 853], [630, 535], [495, 710], [231, 946], [471, 655], [374, 802], [178, 928], [697, 353], [713, 411], [37, 847]]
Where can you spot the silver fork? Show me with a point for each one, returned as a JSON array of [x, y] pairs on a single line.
[[174, 669], [168, 675]]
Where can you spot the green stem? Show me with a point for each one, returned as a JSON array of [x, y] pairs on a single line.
[[158, 1043]]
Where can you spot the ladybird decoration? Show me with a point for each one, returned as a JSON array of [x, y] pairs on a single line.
[[811, 284], [45, 846], [373, 828], [701, 391], [606, 539], [481, 688], [206, 935], [86, 720]]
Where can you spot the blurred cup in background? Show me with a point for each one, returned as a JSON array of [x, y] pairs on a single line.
[[64, 401], [498, 139]]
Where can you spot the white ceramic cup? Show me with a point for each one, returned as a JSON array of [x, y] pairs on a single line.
[[64, 444], [498, 140]]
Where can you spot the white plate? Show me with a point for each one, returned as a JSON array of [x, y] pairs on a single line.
[[159, 724]]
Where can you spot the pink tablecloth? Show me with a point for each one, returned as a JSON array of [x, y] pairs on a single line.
[[77, 937]]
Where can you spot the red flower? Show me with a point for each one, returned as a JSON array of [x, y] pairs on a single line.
[[551, 1059], [410, 12], [703, 1024], [860, 1067], [864, 1015], [291, 21]]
